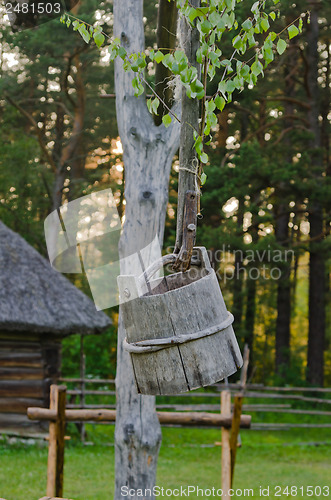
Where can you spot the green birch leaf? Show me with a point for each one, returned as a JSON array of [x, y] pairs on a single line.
[[237, 42], [230, 86], [204, 158], [141, 62], [193, 13], [255, 7], [220, 102], [222, 87], [281, 46], [247, 25], [159, 56], [292, 31], [244, 71], [251, 40], [300, 24], [272, 36], [122, 52], [230, 4], [198, 145], [99, 39], [166, 120], [265, 24], [210, 105], [214, 59], [84, 33], [155, 105], [205, 26]]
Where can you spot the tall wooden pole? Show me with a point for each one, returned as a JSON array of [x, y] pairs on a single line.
[[188, 163], [147, 154]]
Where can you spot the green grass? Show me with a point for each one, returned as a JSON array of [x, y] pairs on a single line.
[[187, 457]]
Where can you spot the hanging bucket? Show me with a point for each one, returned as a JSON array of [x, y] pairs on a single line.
[[178, 331]]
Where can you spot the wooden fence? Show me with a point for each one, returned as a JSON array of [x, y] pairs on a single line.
[[258, 399], [57, 415]]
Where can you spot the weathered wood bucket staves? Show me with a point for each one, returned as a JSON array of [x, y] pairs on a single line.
[[178, 331]]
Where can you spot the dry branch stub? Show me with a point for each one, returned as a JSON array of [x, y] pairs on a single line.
[[179, 332]]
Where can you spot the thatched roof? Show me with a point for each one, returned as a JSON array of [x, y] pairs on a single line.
[[36, 298]]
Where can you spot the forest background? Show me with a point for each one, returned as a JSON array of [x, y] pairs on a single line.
[[266, 205]]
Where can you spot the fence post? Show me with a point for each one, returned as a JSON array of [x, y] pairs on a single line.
[[82, 386], [237, 410], [235, 431], [56, 442], [226, 453]]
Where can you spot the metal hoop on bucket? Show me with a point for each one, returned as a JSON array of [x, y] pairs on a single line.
[[158, 344]]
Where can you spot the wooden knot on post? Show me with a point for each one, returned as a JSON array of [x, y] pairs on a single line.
[[124, 38]]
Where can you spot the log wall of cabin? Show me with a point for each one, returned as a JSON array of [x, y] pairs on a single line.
[[27, 368]]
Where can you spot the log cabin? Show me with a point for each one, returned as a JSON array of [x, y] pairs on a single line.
[[38, 308]]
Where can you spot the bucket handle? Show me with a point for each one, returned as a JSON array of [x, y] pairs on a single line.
[[154, 267], [146, 276]]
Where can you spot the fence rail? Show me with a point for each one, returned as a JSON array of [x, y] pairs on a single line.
[[219, 387], [314, 399]]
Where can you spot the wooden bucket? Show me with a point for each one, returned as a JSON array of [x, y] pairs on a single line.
[[178, 330]]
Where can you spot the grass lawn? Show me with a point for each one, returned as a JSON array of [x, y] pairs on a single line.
[[187, 457]]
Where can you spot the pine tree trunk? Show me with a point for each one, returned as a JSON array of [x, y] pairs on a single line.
[[283, 297], [166, 39], [238, 285], [250, 315], [148, 152], [238, 298], [316, 334], [67, 155], [250, 312], [283, 321]]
